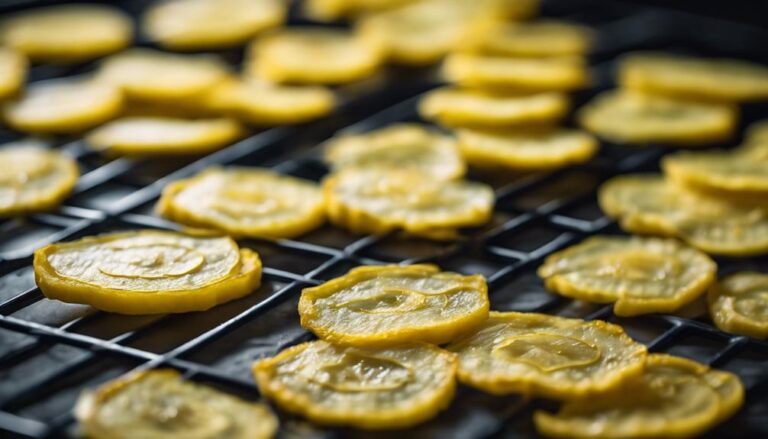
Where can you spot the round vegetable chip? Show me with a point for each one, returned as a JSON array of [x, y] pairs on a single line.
[[69, 33], [63, 107], [628, 117], [33, 178], [690, 77], [531, 39], [641, 275], [147, 272], [543, 355], [13, 71], [527, 150], [365, 388], [331, 10], [389, 305], [207, 24], [402, 146], [739, 304], [159, 403], [725, 173], [244, 201], [674, 397]]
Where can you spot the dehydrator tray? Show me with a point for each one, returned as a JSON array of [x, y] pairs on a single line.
[[51, 351]]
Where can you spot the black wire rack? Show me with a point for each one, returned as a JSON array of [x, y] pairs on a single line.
[[50, 351]]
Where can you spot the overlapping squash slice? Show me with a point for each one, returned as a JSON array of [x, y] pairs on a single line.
[[366, 388], [13, 71], [33, 178], [674, 397], [164, 135], [640, 275], [154, 404], [209, 24], [329, 10], [739, 304], [63, 107], [740, 174], [402, 146], [527, 150], [690, 77], [68, 33], [531, 39], [467, 107], [629, 117], [147, 272], [390, 305], [383, 200], [543, 355], [304, 55], [245, 201]]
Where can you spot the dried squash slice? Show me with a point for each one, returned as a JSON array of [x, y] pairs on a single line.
[[628, 117], [210, 24], [543, 355], [739, 174], [674, 397], [526, 150], [13, 71], [155, 404], [245, 201], [403, 146], [452, 106], [739, 304], [531, 39], [365, 388], [147, 272], [332, 10], [33, 178], [390, 305], [643, 203], [641, 275]]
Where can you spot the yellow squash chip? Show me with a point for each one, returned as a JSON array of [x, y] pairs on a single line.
[[331, 10], [403, 146], [390, 305], [467, 107], [13, 71], [526, 150], [147, 272], [61, 106], [305, 55], [543, 355], [739, 174], [33, 178], [531, 39], [739, 304], [674, 397], [245, 201], [628, 117], [68, 33], [699, 78], [641, 275], [211, 24], [164, 135], [154, 404], [365, 388], [383, 200], [561, 73]]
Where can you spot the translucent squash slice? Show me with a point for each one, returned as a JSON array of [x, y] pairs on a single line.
[[147, 272], [674, 397], [641, 275], [332, 10], [390, 305], [543, 355], [365, 388], [210, 24], [312, 56], [527, 150], [69, 33], [531, 39], [164, 135], [381, 200], [403, 146], [154, 76], [643, 203], [245, 201], [33, 178], [63, 107], [516, 74], [627, 117], [739, 304], [467, 107], [13, 71], [724, 173], [155, 404], [728, 80]]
